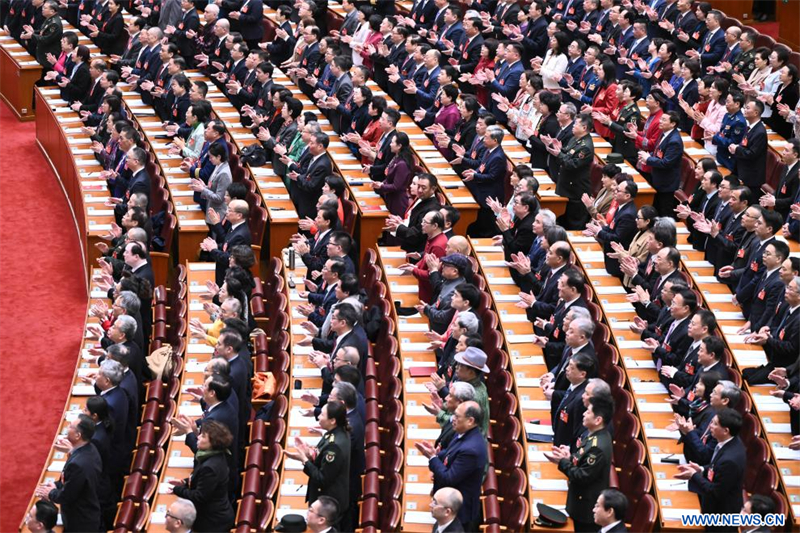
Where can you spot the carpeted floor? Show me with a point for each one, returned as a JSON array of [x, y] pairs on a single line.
[[42, 311]]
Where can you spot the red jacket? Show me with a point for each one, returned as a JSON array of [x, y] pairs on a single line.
[[646, 140], [435, 246]]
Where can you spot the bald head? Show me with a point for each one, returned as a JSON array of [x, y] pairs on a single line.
[[458, 245], [445, 505], [238, 211]]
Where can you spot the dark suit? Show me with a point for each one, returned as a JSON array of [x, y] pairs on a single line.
[[461, 465], [250, 21], [781, 347], [760, 298], [567, 415], [356, 338], [318, 252], [546, 127], [76, 492], [411, 237], [712, 48], [751, 158], [507, 84], [719, 484], [240, 235], [78, 87], [674, 345], [665, 163], [118, 406], [787, 189], [519, 238], [307, 188], [187, 47], [622, 229], [454, 527], [207, 488]]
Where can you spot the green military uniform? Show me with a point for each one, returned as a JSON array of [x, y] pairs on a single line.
[[588, 475], [745, 64], [574, 180], [624, 145], [48, 40], [329, 472]]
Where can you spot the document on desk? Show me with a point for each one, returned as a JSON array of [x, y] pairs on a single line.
[[419, 488], [656, 433], [672, 484], [180, 461], [649, 388], [654, 407], [673, 514], [630, 345], [559, 485], [419, 517]]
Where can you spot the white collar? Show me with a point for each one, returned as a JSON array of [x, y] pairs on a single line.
[[604, 529], [234, 226], [442, 527]]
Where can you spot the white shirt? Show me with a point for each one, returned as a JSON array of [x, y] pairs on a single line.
[[234, 226], [442, 527], [609, 526]]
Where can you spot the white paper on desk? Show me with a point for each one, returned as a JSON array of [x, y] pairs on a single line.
[[195, 367], [403, 289], [86, 162], [728, 315], [528, 360], [298, 393], [539, 429], [528, 382], [649, 388], [262, 171], [752, 359], [654, 407], [672, 484], [419, 517], [705, 279], [426, 148], [416, 388], [83, 390], [423, 434], [419, 488], [535, 405], [178, 181], [199, 348], [176, 170], [461, 199], [558, 485], [778, 428], [276, 196], [786, 454], [392, 254], [622, 307], [301, 350], [773, 407], [621, 325], [349, 167], [718, 298], [697, 264], [492, 263], [500, 281], [581, 239], [630, 345], [597, 273], [56, 466], [366, 194], [306, 372], [297, 420], [282, 214], [181, 462], [184, 194], [485, 248], [639, 363], [657, 433], [590, 256], [99, 227], [515, 318], [99, 212], [519, 339], [407, 327], [97, 293], [672, 514], [187, 223], [610, 290], [506, 297], [191, 410], [187, 208]]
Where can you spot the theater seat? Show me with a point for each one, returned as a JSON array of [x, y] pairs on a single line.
[[246, 511], [514, 513], [390, 515], [266, 514], [643, 516]]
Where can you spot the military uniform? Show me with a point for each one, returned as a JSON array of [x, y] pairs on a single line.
[[574, 179], [588, 475], [745, 64], [329, 472], [48, 40], [731, 131], [622, 144]]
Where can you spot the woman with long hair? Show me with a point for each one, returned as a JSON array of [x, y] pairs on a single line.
[[399, 172], [711, 121], [555, 61], [605, 99]]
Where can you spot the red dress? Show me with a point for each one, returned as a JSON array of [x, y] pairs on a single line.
[[482, 92], [372, 135], [697, 131]]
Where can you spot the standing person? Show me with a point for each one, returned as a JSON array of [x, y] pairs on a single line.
[[609, 511], [432, 227], [76, 491], [46, 39], [399, 171], [328, 464], [750, 156], [486, 179], [445, 504], [587, 470], [719, 483], [664, 160], [575, 167], [462, 463], [207, 486]]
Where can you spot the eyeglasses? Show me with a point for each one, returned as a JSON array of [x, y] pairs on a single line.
[[169, 515]]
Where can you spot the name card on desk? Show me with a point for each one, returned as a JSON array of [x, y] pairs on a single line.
[[514, 318], [195, 367], [539, 429], [558, 485], [527, 361], [181, 193], [199, 348], [786, 454], [672, 484], [519, 339], [718, 298], [749, 358], [461, 199], [630, 345]]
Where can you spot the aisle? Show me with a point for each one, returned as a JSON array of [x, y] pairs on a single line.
[[42, 310]]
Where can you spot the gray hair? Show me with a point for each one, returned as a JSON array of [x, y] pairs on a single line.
[[570, 110], [219, 365], [796, 282], [314, 127], [584, 326], [599, 388], [496, 133], [181, 508], [665, 223], [548, 218], [137, 235], [731, 391], [346, 393], [126, 325], [462, 391], [139, 199], [119, 353], [156, 31], [469, 322], [351, 356], [214, 8], [580, 313], [235, 306], [130, 302], [112, 370]]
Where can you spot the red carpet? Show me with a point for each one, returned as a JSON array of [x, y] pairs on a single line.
[[42, 310]]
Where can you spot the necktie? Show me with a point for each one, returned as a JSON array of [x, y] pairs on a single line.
[[669, 331], [564, 399], [785, 320], [716, 451]]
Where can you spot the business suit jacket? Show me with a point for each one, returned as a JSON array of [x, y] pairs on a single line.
[[760, 298], [712, 48], [539, 154], [318, 252], [223, 413], [622, 230], [454, 527], [279, 49], [665, 162], [461, 465], [250, 20], [411, 237], [784, 340], [207, 488], [787, 189], [78, 87], [751, 157], [358, 460], [77, 493], [507, 84], [519, 238], [567, 416], [555, 328], [673, 347], [544, 283], [308, 186], [489, 177], [394, 189], [187, 47], [118, 406], [554, 162], [719, 484]]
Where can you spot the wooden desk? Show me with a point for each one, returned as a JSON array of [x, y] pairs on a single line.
[[20, 71], [67, 150]]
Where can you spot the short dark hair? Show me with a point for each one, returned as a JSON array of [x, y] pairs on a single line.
[[772, 219], [759, 505], [585, 363], [602, 407], [349, 283], [674, 257], [574, 279], [707, 319], [451, 215], [731, 420], [470, 293], [337, 267], [230, 338], [689, 298], [328, 508], [781, 249], [348, 313], [715, 346], [343, 240], [47, 513], [348, 374], [221, 386], [86, 427], [616, 500]]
